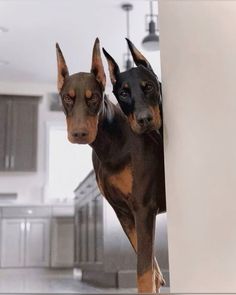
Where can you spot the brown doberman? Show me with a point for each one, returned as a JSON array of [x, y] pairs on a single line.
[[122, 160]]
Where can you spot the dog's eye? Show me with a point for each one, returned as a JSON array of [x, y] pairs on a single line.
[[93, 99], [93, 102], [124, 94], [68, 100], [148, 87]]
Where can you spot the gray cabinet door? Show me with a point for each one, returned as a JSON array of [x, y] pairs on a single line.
[[91, 232], [24, 113], [4, 126], [62, 242], [99, 224], [12, 242], [37, 244]]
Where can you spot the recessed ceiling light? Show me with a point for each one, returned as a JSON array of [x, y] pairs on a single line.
[[4, 62], [3, 30]]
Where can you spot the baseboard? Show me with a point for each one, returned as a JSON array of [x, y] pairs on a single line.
[[127, 278], [100, 278], [120, 279]]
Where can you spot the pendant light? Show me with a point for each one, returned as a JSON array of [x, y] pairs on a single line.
[[151, 41], [127, 7]]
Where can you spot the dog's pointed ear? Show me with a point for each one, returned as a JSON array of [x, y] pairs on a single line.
[[63, 72], [138, 58], [97, 67], [112, 66]]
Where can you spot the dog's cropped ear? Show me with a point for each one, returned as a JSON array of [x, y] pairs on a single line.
[[139, 59], [63, 72], [112, 66], [97, 67]]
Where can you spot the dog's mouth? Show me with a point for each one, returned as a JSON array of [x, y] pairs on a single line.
[[141, 130], [145, 128], [141, 123], [79, 141], [82, 140]]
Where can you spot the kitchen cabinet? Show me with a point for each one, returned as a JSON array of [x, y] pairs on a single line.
[[37, 242], [12, 242], [25, 237], [18, 133], [4, 157], [88, 224], [25, 243], [62, 242], [37, 236], [90, 232]]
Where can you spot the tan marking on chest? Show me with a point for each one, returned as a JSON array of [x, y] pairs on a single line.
[[122, 181]]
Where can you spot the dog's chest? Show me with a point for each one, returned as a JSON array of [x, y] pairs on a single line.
[[121, 182]]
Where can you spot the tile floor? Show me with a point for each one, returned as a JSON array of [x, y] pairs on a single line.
[[49, 281]]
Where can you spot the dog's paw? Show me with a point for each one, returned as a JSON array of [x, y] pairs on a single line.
[[160, 281]]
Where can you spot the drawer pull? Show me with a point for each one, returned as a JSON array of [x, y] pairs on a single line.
[[7, 161], [12, 162], [27, 226]]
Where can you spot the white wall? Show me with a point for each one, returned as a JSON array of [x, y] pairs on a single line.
[[198, 56]]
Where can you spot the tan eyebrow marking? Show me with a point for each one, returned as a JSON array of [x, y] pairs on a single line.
[[126, 85], [71, 93], [143, 83], [88, 93]]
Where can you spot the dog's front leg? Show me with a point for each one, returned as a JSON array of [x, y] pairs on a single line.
[[145, 227]]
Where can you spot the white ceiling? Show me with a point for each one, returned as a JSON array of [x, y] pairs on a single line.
[[36, 25]]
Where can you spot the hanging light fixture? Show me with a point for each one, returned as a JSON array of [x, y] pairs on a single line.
[[151, 41], [127, 7]]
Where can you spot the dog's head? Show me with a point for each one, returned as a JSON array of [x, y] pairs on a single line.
[[137, 91], [82, 97]]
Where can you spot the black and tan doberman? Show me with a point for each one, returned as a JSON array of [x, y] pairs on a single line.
[[138, 93], [122, 172]]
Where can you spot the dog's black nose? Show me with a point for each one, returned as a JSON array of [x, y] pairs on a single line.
[[80, 134], [144, 119]]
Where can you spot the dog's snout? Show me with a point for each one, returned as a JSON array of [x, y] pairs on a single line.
[[144, 119], [80, 134]]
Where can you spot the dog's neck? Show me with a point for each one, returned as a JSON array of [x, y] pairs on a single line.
[[111, 143]]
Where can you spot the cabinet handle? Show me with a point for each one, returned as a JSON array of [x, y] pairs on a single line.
[[12, 162], [22, 226], [7, 161], [27, 226]]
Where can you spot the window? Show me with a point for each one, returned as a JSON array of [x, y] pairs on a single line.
[[68, 164]]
